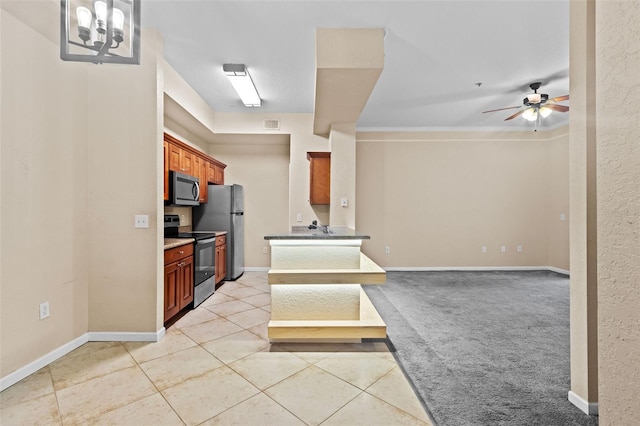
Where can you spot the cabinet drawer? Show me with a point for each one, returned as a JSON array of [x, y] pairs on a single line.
[[220, 240], [177, 253]]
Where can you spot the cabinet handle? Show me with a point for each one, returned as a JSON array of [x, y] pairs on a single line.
[[181, 252]]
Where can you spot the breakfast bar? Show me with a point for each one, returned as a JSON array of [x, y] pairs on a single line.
[[316, 280]]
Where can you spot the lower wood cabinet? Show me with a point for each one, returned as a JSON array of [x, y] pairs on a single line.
[[221, 257], [178, 279]]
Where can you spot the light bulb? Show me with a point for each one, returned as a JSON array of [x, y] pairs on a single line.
[[118, 19], [530, 114], [545, 111], [84, 17], [101, 16], [84, 23]]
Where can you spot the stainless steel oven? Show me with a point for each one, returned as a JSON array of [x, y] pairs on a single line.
[[204, 255]]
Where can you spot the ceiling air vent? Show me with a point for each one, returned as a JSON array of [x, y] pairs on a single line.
[[271, 124]]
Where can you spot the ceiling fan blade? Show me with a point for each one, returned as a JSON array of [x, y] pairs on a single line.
[[560, 98], [501, 109], [516, 114], [556, 107]]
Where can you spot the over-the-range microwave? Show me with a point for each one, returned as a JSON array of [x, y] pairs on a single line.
[[184, 190]]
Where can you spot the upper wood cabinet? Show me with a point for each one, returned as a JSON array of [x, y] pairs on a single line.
[[181, 157], [201, 171], [215, 174], [166, 170], [320, 177]]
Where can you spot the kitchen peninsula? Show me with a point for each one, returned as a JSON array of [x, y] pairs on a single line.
[[316, 294]]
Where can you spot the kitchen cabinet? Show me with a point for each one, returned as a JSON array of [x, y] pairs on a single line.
[[181, 157], [221, 258], [178, 279], [201, 169], [166, 170], [216, 174], [319, 178], [180, 160]]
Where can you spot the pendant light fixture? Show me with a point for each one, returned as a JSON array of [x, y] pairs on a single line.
[[100, 31]]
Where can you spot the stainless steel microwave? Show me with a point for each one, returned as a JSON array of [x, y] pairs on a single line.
[[184, 190]]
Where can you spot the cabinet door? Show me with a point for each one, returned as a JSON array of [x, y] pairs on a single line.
[[220, 175], [187, 163], [186, 282], [211, 173], [204, 173], [166, 170], [320, 177], [175, 157], [223, 261], [172, 277]]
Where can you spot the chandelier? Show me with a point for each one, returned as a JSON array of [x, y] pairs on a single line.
[[100, 31]]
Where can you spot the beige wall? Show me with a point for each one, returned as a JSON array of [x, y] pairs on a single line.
[[73, 136], [126, 290], [436, 198], [299, 128], [618, 175], [343, 174], [44, 196], [263, 170], [583, 238]]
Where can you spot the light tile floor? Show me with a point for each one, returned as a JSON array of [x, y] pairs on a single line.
[[215, 366]]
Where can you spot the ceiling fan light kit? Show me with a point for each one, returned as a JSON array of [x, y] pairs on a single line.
[[538, 105]]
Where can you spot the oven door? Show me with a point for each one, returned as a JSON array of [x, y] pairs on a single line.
[[204, 259]]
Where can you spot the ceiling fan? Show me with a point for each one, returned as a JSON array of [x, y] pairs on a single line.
[[536, 105]]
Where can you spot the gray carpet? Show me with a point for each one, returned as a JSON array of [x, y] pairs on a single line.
[[483, 348]]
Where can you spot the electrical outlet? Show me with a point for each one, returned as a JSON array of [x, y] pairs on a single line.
[[503, 249], [142, 221], [44, 310], [387, 249], [265, 250], [563, 216], [484, 249], [519, 249], [299, 217]]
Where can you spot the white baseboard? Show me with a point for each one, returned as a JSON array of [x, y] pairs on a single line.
[[590, 408], [256, 269], [41, 362], [126, 337], [474, 268], [55, 354]]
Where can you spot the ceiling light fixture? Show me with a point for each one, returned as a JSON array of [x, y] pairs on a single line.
[[100, 31], [239, 77]]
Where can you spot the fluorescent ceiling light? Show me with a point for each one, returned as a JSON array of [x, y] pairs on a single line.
[[241, 80]]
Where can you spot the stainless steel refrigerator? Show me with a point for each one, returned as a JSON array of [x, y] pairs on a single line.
[[224, 211]]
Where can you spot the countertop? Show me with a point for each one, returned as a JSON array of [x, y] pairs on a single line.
[[177, 242], [332, 233]]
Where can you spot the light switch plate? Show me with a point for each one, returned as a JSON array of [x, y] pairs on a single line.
[[344, 202]]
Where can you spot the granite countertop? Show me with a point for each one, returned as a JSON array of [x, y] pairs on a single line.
[[332, 233], [177, 242]]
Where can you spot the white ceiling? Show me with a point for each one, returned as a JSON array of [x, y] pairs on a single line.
[[435, 53]]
